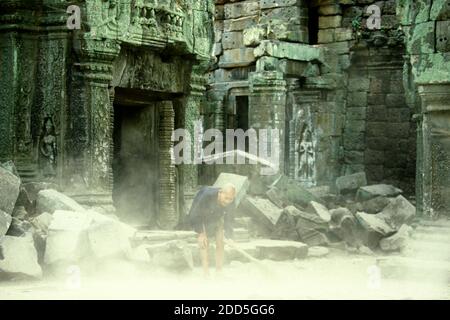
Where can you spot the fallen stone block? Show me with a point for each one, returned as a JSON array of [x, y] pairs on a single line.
[[277, 197], [42, 222], [344, 225], [5, 222], [286, 227], [320, 210], [318, 252], [20, 213], [11, 167], [50, 200], [351, 183], [19, 257], [263, 211], [280, 250], [20, 228], [398, 212], [108, 238], [173, 255], [33, 188], [241, 184], [294, 192], [384, 190], [9, 190], [67, 237], [311, 228], [398, 241], [375, 205], [374, 223]]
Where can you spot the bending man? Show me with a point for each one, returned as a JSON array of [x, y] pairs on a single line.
[[211, 215]]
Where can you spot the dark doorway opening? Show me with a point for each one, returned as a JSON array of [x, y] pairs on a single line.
[[135, 164], [313, 25], [242, 118]]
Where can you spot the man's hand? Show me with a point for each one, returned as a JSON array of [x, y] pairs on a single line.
[[202, 240]]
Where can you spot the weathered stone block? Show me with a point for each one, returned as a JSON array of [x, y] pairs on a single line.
[[294, 191], [351, 182], [237, 58], [5, 222], [51, 200], [398, 241], [252, 37], [359, 84], [9, 190], [281, 250], [262, 210], [67, 238], [357, 114], [173, 256], [344, 34], [378, 190], [374, 223], [241, 9], [400, 211], [326, 22], [232, 40], [241, 184], [330, 10], [357, 99], [240, 23], [292, 51], [269, 4], [375, 205], [320, 210], [19, 257], [42, 222], [326, 36]]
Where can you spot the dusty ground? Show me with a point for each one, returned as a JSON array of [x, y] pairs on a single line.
[[338, 276]]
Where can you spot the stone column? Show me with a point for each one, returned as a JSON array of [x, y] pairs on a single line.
[[168, 217], [91, 122], [435, 164], [7, 93], [267, 106]]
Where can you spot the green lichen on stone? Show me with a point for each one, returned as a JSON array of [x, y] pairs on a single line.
[[433, 68]]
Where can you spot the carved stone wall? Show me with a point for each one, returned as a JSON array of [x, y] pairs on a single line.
[[67, 79]]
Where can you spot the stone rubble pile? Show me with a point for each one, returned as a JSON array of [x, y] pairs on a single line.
[[352, 215], [44, 231]]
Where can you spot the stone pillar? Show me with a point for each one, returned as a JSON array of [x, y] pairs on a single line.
[[267, 106], [168, 217], [7, 93], [91, 122], [435, 166]]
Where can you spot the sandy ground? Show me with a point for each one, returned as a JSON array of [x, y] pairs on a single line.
[[338, 276]]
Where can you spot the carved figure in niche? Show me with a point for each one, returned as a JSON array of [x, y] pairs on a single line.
[[48, 149], [306, 158], [304, 149]]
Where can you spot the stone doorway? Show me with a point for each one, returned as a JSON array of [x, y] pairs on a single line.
[[135, 165]]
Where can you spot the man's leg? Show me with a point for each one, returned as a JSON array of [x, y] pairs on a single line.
[[220, 244], [204, 246]]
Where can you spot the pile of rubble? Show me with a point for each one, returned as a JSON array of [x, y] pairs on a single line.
[[44, 231], [350, 215]]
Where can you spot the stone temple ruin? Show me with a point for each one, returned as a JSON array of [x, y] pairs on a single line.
[[360, 109]]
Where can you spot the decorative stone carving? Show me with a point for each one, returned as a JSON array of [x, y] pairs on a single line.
[[304, 148], [48, 149]]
